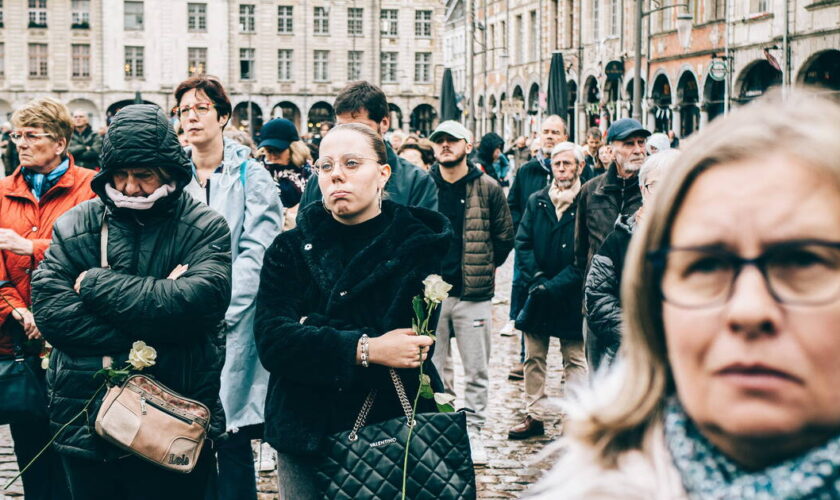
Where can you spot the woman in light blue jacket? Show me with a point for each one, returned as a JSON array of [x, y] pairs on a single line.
[[243, 192]]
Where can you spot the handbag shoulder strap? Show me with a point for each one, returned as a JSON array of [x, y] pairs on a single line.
[[368, 404]]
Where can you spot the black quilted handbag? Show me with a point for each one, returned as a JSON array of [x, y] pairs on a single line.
[[367, 461]]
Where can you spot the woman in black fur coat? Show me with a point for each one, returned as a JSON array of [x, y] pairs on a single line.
[[350, 269]]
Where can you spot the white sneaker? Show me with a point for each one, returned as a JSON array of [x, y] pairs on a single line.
[[266, 458], [497, 300], [507, 330], [477, 449]]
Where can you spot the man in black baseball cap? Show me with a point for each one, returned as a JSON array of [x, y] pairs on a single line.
[[603, 199]]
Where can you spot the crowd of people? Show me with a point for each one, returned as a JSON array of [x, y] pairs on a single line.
[[695, 291]]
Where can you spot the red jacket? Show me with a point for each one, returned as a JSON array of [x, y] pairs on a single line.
[[33, 220]]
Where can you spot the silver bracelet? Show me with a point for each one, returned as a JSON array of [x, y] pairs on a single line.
[[365, 352]]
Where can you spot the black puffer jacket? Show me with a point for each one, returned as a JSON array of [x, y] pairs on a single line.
[[312, 311], [529, 179], [545, 249], [603, 293], [133, 299], [484, 154]]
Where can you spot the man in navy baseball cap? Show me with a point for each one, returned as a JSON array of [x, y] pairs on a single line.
[[624, 128]]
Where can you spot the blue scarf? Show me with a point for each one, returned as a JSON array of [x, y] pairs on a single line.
[[39, 184], [709, 475]]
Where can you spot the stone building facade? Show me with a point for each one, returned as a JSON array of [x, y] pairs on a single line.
[[286, 57], [762, 43]]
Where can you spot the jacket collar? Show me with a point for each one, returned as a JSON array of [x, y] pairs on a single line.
[[409, 231], [568, 214], [612, 182], [20, 189]]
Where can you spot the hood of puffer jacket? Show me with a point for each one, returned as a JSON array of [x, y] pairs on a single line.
[[140, 135]]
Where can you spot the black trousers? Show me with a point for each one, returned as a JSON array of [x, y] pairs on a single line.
[[44, 480], [132, 478]]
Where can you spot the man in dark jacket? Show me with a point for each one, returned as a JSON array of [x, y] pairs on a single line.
[[530, 178], [482, 239], [364, 103], [85, 145], [545, 251], [602, 293], [165, 279], [610, 195]]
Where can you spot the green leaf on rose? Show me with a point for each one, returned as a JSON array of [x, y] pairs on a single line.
[[426, 391], [425, 379], [445, 408], [417, 304]]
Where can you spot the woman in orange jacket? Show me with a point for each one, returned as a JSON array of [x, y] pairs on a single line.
[[46, 185]]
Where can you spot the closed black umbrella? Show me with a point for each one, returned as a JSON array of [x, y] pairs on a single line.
[[448, 104], [558, 93]]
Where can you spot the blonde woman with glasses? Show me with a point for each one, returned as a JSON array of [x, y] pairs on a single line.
[[726, 382]]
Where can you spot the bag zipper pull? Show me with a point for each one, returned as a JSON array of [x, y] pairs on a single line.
[[143, 406]]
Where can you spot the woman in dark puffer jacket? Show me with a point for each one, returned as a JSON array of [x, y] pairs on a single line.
[[168, 284]]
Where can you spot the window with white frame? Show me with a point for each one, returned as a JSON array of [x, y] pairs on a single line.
[[247, 21], [520, 40], [196, 61], [321, 20], [423, 67], [667, 16], [133, 16], [38, 59], [37, 13], [284, 65], [596, 20], [321, 66], [80, 13], [423, 23], [614, 16], [134, 62], [354, 21], [2, 59], [390, 22], [389, 67], [247, 58], [80, 53], [1, 13], [354, 65], [285, 21], [197, 16]]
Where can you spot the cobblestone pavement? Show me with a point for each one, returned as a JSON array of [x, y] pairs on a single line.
[[513, 465]]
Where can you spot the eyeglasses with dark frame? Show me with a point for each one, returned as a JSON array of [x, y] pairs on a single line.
[[797, 272], [349, 163]]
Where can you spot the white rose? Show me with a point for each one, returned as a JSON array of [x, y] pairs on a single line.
[[141, 355], [442, 398], [436, 289], [45, 362]]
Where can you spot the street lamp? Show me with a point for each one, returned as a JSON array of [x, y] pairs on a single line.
[[684, 25]]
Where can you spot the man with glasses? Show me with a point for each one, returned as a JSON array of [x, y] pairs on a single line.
[[483, 236], [545, 244], [85, 145]]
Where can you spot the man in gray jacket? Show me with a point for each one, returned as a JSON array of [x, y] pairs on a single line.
[[482, 239], [364, 103]]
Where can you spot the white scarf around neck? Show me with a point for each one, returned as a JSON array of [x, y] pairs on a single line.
[[138, 202]]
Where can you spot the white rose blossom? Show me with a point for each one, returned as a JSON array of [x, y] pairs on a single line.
[[45, 362], [436, 290], [141, 355]]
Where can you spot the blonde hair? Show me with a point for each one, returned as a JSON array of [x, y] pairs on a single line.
[[299, 153], [48, 114], [804, 127]]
